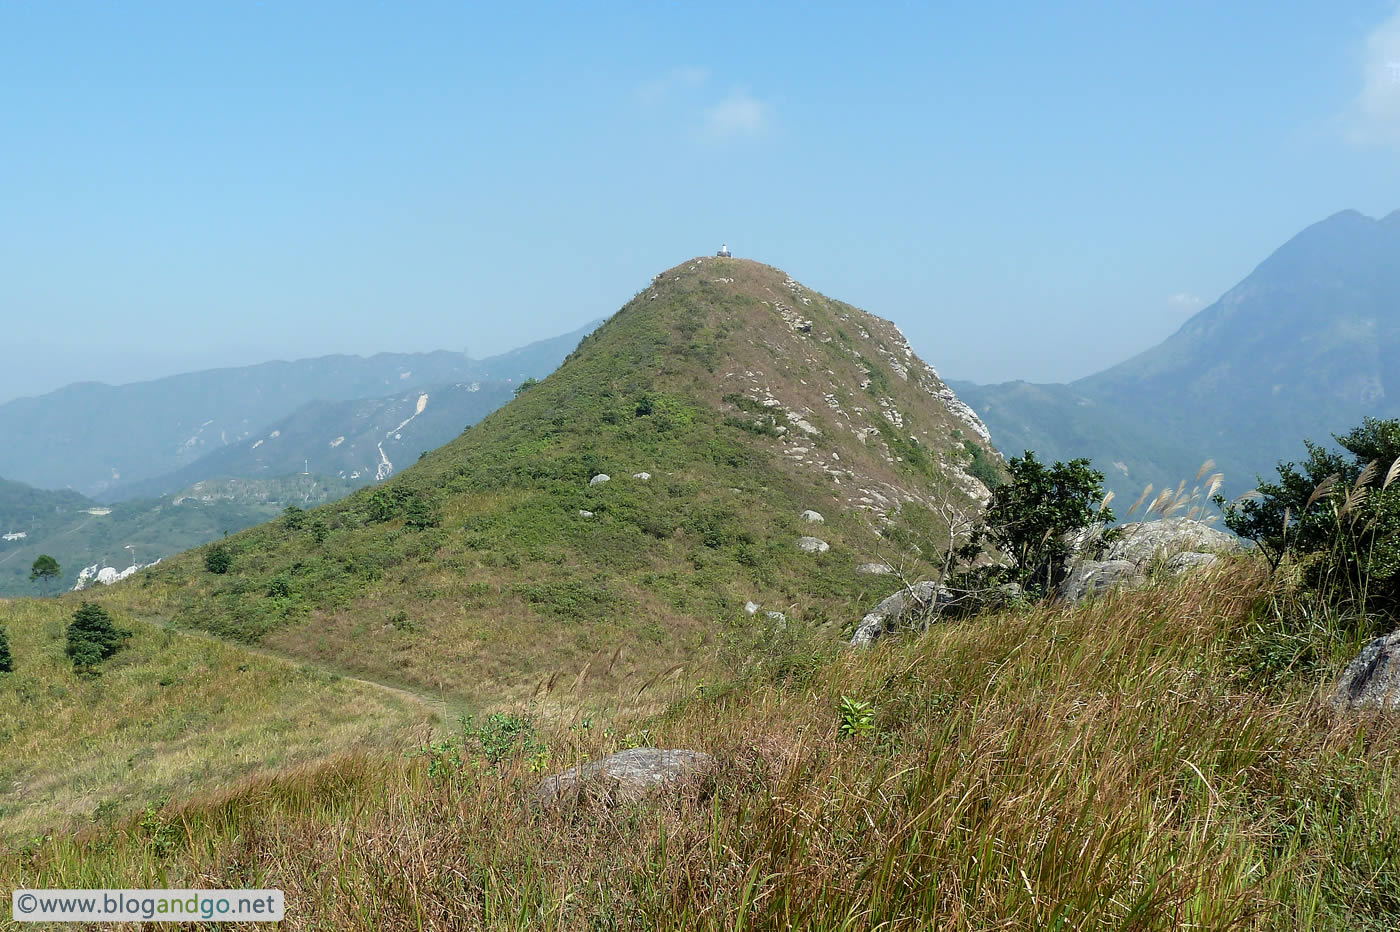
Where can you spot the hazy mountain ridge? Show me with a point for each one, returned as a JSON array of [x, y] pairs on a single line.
[[94, 437], [80, 532], [1303, 347], [359, 441]]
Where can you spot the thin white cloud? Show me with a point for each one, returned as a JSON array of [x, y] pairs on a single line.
[[737, 115], [655, 93], [1376, 111], [1184, 303]]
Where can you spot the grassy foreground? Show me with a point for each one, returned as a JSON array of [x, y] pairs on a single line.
[[170, 716], [1113, 766]]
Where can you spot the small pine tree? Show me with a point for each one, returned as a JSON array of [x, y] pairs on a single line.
[[7, 660], [92, 636]]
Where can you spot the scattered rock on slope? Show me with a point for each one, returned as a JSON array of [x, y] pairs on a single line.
[[628, 776], [1184, 543], [1372, 680], [812, 545]]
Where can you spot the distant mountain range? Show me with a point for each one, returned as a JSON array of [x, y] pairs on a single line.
[[1303, 347], [79, 532], [111, 442]]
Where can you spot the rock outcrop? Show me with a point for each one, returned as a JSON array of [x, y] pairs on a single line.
[[1181, 544], [1372, 680], [812, 545], [628, 776]]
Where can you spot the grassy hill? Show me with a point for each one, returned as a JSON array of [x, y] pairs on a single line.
[[171, 715], [1118, 765], [475, 573]]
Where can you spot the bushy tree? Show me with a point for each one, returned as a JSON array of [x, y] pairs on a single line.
[[45, 569], [7, 660], [1029, 515], [92, 636], [218, 560], [1337, 514]]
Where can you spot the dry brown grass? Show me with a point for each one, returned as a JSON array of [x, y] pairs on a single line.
[[1109, 766]]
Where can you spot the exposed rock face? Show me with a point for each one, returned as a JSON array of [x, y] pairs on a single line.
[[812, 517], [1093, 576], [628, 776], [1183, 543], [892, 611], [875, 569], [1372, 680], [644, 476], [812, 545], [1144, 540], [600, 479]]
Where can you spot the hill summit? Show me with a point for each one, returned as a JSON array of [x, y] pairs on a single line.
[[729, 440]]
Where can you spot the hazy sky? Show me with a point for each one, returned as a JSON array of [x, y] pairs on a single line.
[[1028, 193]]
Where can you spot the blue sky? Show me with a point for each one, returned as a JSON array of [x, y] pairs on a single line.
[[1029, 193]]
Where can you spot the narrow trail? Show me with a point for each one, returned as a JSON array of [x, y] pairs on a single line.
[[439, 706]]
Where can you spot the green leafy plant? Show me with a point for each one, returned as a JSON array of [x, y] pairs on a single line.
[[7, 660], [857, 717]]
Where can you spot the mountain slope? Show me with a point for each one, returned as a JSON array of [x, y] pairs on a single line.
[[79, 532], [1305, 346], [723, 401], [94, 437], [360, 441]]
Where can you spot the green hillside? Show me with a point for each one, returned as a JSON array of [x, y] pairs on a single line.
[[79, 532], [476, 573]]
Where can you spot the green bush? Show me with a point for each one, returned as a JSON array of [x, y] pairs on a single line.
[[1337, 517], [92, 636], [1028, 517], [218, 560], [7, 660]]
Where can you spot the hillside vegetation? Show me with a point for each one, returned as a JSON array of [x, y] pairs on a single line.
[[170, 716], [1117, 765], [478, 575]]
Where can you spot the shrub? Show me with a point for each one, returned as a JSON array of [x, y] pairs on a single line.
[[1337, 516], [218, 560], [293, 518], [1030, 514], [7, 660], [92, 636]]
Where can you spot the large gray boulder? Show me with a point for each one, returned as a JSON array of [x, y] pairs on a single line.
[[1094, 576], [628, 776], [1144, 541], [1372, 680], [892, 611], [1182, 544], [812, 545]]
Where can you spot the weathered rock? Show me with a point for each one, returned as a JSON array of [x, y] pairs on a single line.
[[893, 610], [1372, 680], [1143, 541], [874, 569], [812, 517], [812, 545], [1093, 576], [644, 476], [585, 514], [1191, 560], [628, 776], [600, 479], [750, 608]]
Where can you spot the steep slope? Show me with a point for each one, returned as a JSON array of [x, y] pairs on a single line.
[[723, 401], [79, 532], [1305, 346], [360, 441], [94, 437]]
